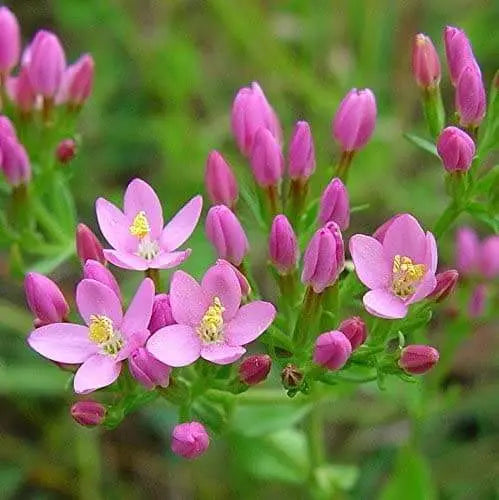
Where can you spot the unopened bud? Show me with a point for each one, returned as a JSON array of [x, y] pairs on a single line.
[[456, 149], [446, 284], [190, 440], [332, 350], [94, 270], [66, 151], [291, 376], [88, 413], [283, 245], [254, 369], [418, 359], [267, 162], [335, 204], [219, 180], [147, 370], [301, 152], [87, 245], [354, 330], [161, 313], [425, 62]]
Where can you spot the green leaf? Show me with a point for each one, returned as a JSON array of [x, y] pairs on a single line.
[[482, 213], [331, 477], [253, 204], [63, 205], [422, 143]]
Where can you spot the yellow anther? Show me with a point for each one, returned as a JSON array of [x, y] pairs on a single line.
[[140, 225], [100, 329], [210, 327], [406, 275]]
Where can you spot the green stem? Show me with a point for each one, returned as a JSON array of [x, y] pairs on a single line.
[[341, 169], [298, 189], [308, 315], [46, 220], [88, 462], [450, 214], [315, 434], [273, 199], [154, 275], [433, 110]]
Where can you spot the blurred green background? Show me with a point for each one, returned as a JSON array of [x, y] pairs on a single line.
[[166, 73]]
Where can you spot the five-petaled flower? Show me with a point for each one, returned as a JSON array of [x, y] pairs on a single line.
[[211, 323], [399, 267], [108, 338], [137, 235]]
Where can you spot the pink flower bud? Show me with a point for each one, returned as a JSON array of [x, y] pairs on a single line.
[[226, 234], [425, 62], [47, 64], [96, 271], [243, 281], [478, 301], [190, 440], [161, 313], [250, 111], [219, 180], [14, 161], [458, 52], [489, 257], [88, 413], [467, 251], [283, 246], [21, 92], [266, 159], [6, 127], [446, 284], [147, 370], [66, 151], [324, 258], [301, 152], [355, 119], [45, 299], [335, 205], [379, 234], [470, 97], [456, 149], [254, 369], [354, 330], [332, 350], [87, 245], [418, 359], [77, 81], [10, 40]]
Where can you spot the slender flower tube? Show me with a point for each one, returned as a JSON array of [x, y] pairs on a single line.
[[250, 111], [161, 313], [354, 330], [488, 261], [283, 245], [470, 97], [467, 251], [190, 440], [210, 320], [255, 369], [332, 350], [137, 235], [458, 52], [456, 149], [446, 284], [65, 151], [220, 182], [418, 359], [14, 161], [335, 205], [87, 245], [88, 413], [45, 299], [324, 258], [147, 370], [94, 270], [301, 156], [10, 41], [399, 271], [266, 158], [77, 82], [425, 62], [355, 120], [226, 234]]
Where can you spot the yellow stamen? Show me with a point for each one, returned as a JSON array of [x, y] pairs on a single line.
[[210, 327], [140, 226], [101, 329], [406, 275]]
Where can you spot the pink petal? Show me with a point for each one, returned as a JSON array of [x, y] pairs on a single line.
[[126, 260], [187, 299], [175, 345], [221, 354], [140, 197], [166, 260], [371, 265], [250, 322], [424, 289], [134, 341], [114, 226], [221, 281], [178, 230], [63, 342], [406, 238], [431, 254], [93, 297], [139, 311], [384, 304], [98, 371]]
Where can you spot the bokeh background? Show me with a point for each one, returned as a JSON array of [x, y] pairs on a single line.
[[166, 73]]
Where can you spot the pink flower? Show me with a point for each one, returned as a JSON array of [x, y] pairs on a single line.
[[301, 155], [283, 245], [137, 235], [77, 81], [425, 62], [456, 149], [220, 181], [335, 204], [20, 90], [418, 359], [399, 271], [488, 261], [10, 40], [190, 440], [108, 338], [87, 245], [467, 251], [471, 101], [211, 323], [332, 350], [458, 51]]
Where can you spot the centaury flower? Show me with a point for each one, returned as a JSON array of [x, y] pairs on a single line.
[[108, 338], [211, 323], [137, 235], [399, 269]]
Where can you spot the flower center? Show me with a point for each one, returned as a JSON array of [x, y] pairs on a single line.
[[406, 275], [140, 226], [102, 332], [148, 249], [211, 326]]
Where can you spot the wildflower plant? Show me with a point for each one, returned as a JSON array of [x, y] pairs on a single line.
[[332, 311]]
